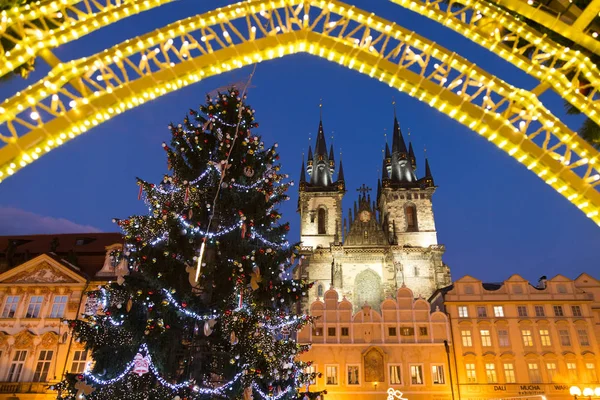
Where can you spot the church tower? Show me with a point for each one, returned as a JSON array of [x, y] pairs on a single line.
[[320, 196]]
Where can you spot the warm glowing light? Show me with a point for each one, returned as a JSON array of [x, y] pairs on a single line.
[[574, 391]]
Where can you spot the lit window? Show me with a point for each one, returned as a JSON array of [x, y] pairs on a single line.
[[392, 331], [539, 311], [395, 374], [545, 337], [534, 373], [463, 312], [552, 371], [43, 366], [471, 373], [422, 331], [498, 311], [79, 361], [590, 367], [572, 370], [416, 374], [509, 373], [331, 374], [583, 337], [503, 340], [35, 306], [486, 340], [407, 331], [437, 371], [576, 311], [481, 312], [490, 373], [10, 307], [353, 375], [317, 331], [522, 310], [558, 311], [467, 341], [16, 367], [58, 307], [565, 339], [527, 338]]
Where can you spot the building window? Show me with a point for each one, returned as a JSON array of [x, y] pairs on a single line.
[[320, 291], [416, 374], [331, 374], [552, 371], [576, 311], [503, 339], [35, 306], [527, 338], [312, 369], [498, 311], [353, 375], [558, 311], [486, 340], [79, 361], [522, 310], [437, 372], [518, 289], [509, 373], [321, 222], [565, 339], [467, 340], [392, 331], [583, 337], [471, 373], [10, 307], [43, 366], [534, 373], [561, 288], [344, 331], [468, 289], [590, 367], [407, 331], [416, 271], [16, 367], [395, 374], [463, 312], [411, 218], [422, 331], [572, 371], [539, 311], [481, 312], [317, 331], [330, 331], [490, 373], [545, 337], [58, 307]]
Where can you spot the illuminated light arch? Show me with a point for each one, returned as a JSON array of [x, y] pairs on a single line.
[[49, 113], [59, 22], [477, 20]]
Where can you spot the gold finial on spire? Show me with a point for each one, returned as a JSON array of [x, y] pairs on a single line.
[[425, 151], [321, 108], [408, 132]]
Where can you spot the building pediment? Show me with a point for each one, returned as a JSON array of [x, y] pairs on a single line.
[[42, 269]]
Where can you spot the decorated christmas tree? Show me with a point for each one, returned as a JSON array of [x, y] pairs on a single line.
[[207, 308]]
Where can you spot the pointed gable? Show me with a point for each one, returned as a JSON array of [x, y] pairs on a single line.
[[42, 269]]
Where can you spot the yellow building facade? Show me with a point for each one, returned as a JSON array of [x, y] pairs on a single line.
[[404, 346], [36, 296], [515, 340]]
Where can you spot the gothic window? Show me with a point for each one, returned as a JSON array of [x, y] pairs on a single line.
[[320, 290], [416, 271], [321, 221], [411, 218], [366, 234]]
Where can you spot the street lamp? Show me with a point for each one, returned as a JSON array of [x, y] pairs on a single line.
[[574, 391], [588, 392]]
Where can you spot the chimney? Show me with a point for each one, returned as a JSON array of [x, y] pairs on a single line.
[[542, 282]]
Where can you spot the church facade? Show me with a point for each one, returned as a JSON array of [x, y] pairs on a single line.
[[384, 243]]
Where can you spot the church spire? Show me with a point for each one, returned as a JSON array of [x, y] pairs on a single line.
[[398, 144], [340, 177], [302, 172], [428, 176], [411, 157]]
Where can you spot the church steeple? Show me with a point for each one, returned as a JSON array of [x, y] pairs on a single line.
[[411, 157], [400, 165], [341, 173], [302, 173], [428, 178]]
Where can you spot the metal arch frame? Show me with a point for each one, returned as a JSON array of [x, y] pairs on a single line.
[[477, 20], [49, 113], [72, 20]]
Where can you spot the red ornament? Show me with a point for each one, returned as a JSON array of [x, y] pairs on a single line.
[[184, 304]]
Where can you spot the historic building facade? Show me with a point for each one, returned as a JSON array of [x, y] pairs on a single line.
[[383, 244], [43, 281], [361, 354], [516, 340]]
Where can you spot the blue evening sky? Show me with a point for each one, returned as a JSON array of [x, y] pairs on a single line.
[[494, 216]]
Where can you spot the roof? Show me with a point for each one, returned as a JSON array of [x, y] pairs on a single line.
[[89, 249]]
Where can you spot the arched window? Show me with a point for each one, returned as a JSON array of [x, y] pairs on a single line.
[[321, 221], [320, 290], [410, 212]]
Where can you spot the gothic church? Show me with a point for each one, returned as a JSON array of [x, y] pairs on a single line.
[[383, 244]]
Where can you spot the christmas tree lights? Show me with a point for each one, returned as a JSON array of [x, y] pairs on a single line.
[[206, 310]]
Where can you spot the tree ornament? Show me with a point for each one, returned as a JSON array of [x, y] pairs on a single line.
[[208, 325], [141, 364], [249, 172], [233, 339]]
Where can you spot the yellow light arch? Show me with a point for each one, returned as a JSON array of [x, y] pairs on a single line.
[[51, 112]]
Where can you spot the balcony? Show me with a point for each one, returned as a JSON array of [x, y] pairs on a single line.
[[24, 387]]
